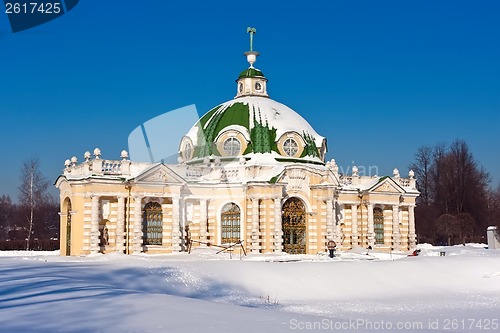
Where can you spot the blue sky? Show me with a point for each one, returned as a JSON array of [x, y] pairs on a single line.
[[377, 78]]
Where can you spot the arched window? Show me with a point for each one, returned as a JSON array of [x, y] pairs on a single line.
[[232, 146], [230, 223], [152, 224], [378, 225], [293, 221]]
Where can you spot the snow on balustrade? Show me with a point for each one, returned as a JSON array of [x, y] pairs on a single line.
[[110, 167], [194, 173], [346, 180], [228, 174], [404, 182], [97, 166]]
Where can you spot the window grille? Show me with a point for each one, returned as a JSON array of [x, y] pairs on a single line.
[[152, 224], [378, 225], [230, 223]]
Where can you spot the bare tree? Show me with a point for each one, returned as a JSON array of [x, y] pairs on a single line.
[[451, 182], [32, 192], [494, 207], [447, 225], [424, 160], [437, 180], [466, 225], [6, 208]]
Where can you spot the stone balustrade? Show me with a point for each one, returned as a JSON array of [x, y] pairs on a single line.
[[97, 166], [347, 180]]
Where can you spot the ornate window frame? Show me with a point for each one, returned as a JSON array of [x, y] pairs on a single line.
[[230, 223], [287, 137], [378, 225], [231, 146], [231, 135], [152, 223], [186, 149]]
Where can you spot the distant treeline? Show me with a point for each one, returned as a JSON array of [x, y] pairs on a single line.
[[14, 226], [33, 222], [456, 202]]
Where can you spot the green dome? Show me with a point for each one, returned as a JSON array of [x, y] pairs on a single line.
[[251, 72]]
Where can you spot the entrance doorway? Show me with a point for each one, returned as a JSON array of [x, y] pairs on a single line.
[[294, 226]]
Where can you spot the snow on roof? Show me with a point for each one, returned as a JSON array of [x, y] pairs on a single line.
[[278, 115]]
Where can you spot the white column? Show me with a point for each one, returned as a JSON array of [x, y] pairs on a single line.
[[203, 220], [338, 228], [354, 225], [278, 232], [182, 224], [120, 225], [255, 225], [94, 226], [371, 231], [329, 220], [176, 224], [396, 235], [137, 226], [412, 242]]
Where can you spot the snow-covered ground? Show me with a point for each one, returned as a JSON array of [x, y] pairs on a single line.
[[208, 292]]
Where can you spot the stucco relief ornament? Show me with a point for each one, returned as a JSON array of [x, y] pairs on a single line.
[[385, 188], [160, 176], [296, 179], [153, 199]]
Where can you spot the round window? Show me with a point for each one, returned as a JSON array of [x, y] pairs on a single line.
[[231, 146], [258, 86], [290, 147]]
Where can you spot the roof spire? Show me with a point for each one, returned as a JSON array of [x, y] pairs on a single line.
[[251, 82], [251, 31], [251, 55]]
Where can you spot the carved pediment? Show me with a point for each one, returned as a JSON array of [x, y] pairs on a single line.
[[387, 186], [159, 174]]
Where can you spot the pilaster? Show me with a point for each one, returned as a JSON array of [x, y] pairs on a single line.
[[203, 220], [278, 232], [94, 225], [354, 225], [412, 242], [255, 225], [120, 225], [137, 226], [176, 223], [396, 235], [329, 220], [371, 231]]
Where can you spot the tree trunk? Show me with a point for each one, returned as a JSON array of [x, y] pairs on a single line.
[[31, 213]]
